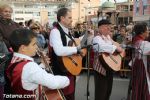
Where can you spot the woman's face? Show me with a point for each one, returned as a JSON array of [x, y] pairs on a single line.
[[36, 30], [146, 33]]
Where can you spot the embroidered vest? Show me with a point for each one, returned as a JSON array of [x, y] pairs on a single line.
[[14, 73]]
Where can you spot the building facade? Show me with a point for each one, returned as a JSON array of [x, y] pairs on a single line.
[[83, 9], [125, 15], [141, 11], [45, 10], [40, 10], [117, 13]]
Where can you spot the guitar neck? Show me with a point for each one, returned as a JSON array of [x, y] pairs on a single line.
[[61, 94]]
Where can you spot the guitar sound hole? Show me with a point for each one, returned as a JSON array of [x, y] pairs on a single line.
[[74, 62]]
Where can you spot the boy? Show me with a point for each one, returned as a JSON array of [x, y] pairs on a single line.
[[26, 75]]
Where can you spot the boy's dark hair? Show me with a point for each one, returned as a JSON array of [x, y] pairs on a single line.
[[140, 28], [62, 12], [21, 37]]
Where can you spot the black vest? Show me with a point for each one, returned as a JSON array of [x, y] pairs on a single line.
[[58, 66]]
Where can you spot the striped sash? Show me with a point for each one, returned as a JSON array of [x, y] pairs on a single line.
[[97, 66]]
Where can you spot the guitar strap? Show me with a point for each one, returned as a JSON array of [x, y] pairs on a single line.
[[68, 35]]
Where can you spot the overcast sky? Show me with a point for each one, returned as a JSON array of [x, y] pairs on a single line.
[[102, 1]]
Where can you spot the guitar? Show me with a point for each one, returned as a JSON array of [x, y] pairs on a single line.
[[112, 61], [48, 94], [73, 63]]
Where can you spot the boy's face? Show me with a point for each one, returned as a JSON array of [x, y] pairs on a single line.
[[30, 49]]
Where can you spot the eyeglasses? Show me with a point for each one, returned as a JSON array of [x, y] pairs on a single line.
[[35, 28]]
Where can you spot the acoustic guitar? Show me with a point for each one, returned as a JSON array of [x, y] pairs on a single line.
[[113, 61], [73, 63], [48, 94]]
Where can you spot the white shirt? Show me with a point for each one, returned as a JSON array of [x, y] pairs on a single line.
[[33, 75], [56, 43], [105, 44], [145, 50]]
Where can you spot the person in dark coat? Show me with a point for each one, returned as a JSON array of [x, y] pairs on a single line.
[[7, 25]]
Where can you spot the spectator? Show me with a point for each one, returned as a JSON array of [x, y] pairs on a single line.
[[7, 25]]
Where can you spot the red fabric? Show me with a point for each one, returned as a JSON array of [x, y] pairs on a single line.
[[71, 88], [16, 82], [137, 39], [139, 80], [139, 83], [10, 49]]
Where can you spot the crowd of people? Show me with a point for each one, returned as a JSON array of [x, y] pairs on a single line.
[[26, 71]]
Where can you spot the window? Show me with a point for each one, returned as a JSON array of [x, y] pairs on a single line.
[[18, 5], [19, 12], [28, 6], [19, 18], [131, 8], [125, 8], [36, 13], [28, 12], [49, 13], [137, 9]]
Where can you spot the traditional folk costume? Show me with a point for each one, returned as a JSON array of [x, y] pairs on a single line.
[[141, 70], [59, 40], [26, 76], [103, 75]]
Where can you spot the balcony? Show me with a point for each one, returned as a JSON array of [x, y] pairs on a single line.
[[36, 1]]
